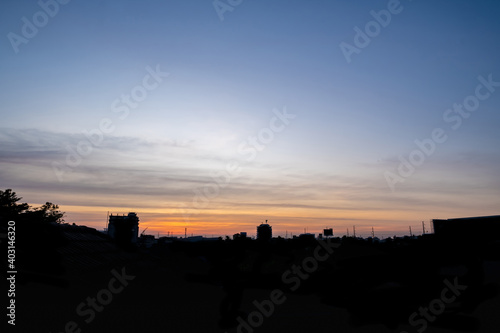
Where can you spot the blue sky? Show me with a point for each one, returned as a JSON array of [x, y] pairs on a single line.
[[326, 167]]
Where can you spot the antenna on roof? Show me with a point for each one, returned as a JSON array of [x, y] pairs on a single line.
[[423, 227], [411, 235]]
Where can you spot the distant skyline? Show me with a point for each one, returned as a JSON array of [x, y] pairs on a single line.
[[377, 114]]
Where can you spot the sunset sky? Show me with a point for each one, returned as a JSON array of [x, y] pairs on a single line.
[[309, 114]]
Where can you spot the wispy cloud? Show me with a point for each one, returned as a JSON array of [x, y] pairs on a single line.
[[157, 176]]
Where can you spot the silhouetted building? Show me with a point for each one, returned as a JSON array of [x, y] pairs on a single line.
[[241, 235], [484, 227], [328, 232], [264, 231], [124, 229], [306, 236], [147, 241]]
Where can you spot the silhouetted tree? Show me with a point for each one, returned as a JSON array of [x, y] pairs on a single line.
[[48, 212], [10, 209]]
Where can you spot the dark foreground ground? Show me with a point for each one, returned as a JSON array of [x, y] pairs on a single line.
[[285, 286]]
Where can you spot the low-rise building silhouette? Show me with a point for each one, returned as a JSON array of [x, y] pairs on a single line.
[[241, 235], [328, 232], [305, 236], [484, 227]]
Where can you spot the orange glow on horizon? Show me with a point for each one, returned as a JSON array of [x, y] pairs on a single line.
[[220, 222]]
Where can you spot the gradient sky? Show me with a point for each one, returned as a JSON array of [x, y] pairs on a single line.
[[350, 122]]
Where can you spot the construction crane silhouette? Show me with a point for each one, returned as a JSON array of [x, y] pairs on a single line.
[[142, 233]]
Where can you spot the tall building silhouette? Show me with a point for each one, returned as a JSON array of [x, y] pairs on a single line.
[[124, 229], [264, 231]]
